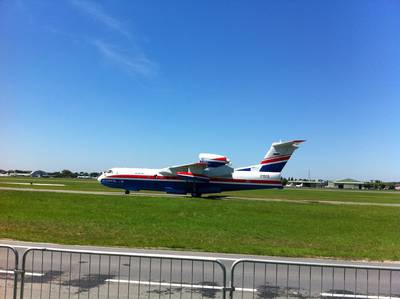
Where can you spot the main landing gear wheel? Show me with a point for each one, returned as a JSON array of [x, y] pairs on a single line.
[[127, 192], [195, 194]]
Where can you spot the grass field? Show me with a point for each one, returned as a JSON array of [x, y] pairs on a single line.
[[237, 226], [289, 194]]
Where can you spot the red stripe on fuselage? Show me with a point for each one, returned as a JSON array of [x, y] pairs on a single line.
[[139, 176]]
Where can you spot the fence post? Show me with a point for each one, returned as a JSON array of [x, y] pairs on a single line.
[[224, 286], [15, 270], [22, 271], [232, 286], [15, 274]]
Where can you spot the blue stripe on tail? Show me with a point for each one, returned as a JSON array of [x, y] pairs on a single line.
[[276, 167]]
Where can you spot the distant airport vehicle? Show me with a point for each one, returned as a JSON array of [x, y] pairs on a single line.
[[212, 174]]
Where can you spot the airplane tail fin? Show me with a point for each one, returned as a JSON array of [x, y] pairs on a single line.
[[278, 155]]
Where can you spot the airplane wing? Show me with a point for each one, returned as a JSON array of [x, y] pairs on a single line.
[[192, 177], [193, 168]]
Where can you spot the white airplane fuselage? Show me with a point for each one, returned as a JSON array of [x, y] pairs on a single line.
[[211, 175], [136, 179]]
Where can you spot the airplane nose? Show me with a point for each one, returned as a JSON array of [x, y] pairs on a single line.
[[100, 177]]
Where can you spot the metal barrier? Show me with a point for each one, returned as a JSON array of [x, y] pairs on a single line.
[[8, 272], [272, 278], [59, 273]]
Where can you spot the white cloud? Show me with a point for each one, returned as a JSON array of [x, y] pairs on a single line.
[[138, 63], [97, 13], [134, 60]]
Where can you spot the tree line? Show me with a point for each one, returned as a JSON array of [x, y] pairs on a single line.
[[65, 173]]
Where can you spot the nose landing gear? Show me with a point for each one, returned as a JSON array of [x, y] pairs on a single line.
[[127, 191]]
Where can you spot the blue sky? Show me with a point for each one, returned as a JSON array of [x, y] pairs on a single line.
[[88, 85]]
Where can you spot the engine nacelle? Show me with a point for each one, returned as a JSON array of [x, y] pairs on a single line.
[[213, 160]]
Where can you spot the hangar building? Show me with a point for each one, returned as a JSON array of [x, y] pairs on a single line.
[[39, 174], [346, 184]]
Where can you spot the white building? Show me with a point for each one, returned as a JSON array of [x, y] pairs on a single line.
[[346, 184], [39, 174]]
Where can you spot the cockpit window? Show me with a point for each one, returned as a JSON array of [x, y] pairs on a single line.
[[109, 171]]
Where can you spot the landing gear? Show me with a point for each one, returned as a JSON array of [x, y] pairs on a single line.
[[196, 194], [127, 191]]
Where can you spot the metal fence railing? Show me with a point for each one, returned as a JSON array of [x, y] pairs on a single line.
[[285, 279], [8, 272], [59, 273]]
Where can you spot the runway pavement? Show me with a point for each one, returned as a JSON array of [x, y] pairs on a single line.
[[124, 273]]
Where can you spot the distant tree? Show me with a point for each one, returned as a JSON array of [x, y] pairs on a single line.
[[284, 181], [94, 174], [65, 173], [378, 185]]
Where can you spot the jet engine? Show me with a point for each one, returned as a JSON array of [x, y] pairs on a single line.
[[213, 160]]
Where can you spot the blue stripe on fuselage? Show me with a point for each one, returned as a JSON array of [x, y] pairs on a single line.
[[180, 186]]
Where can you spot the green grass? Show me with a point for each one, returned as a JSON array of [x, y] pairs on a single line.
[[237, 226], [289, 194]]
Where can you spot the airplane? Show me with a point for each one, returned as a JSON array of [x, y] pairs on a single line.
[[211, 174]]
